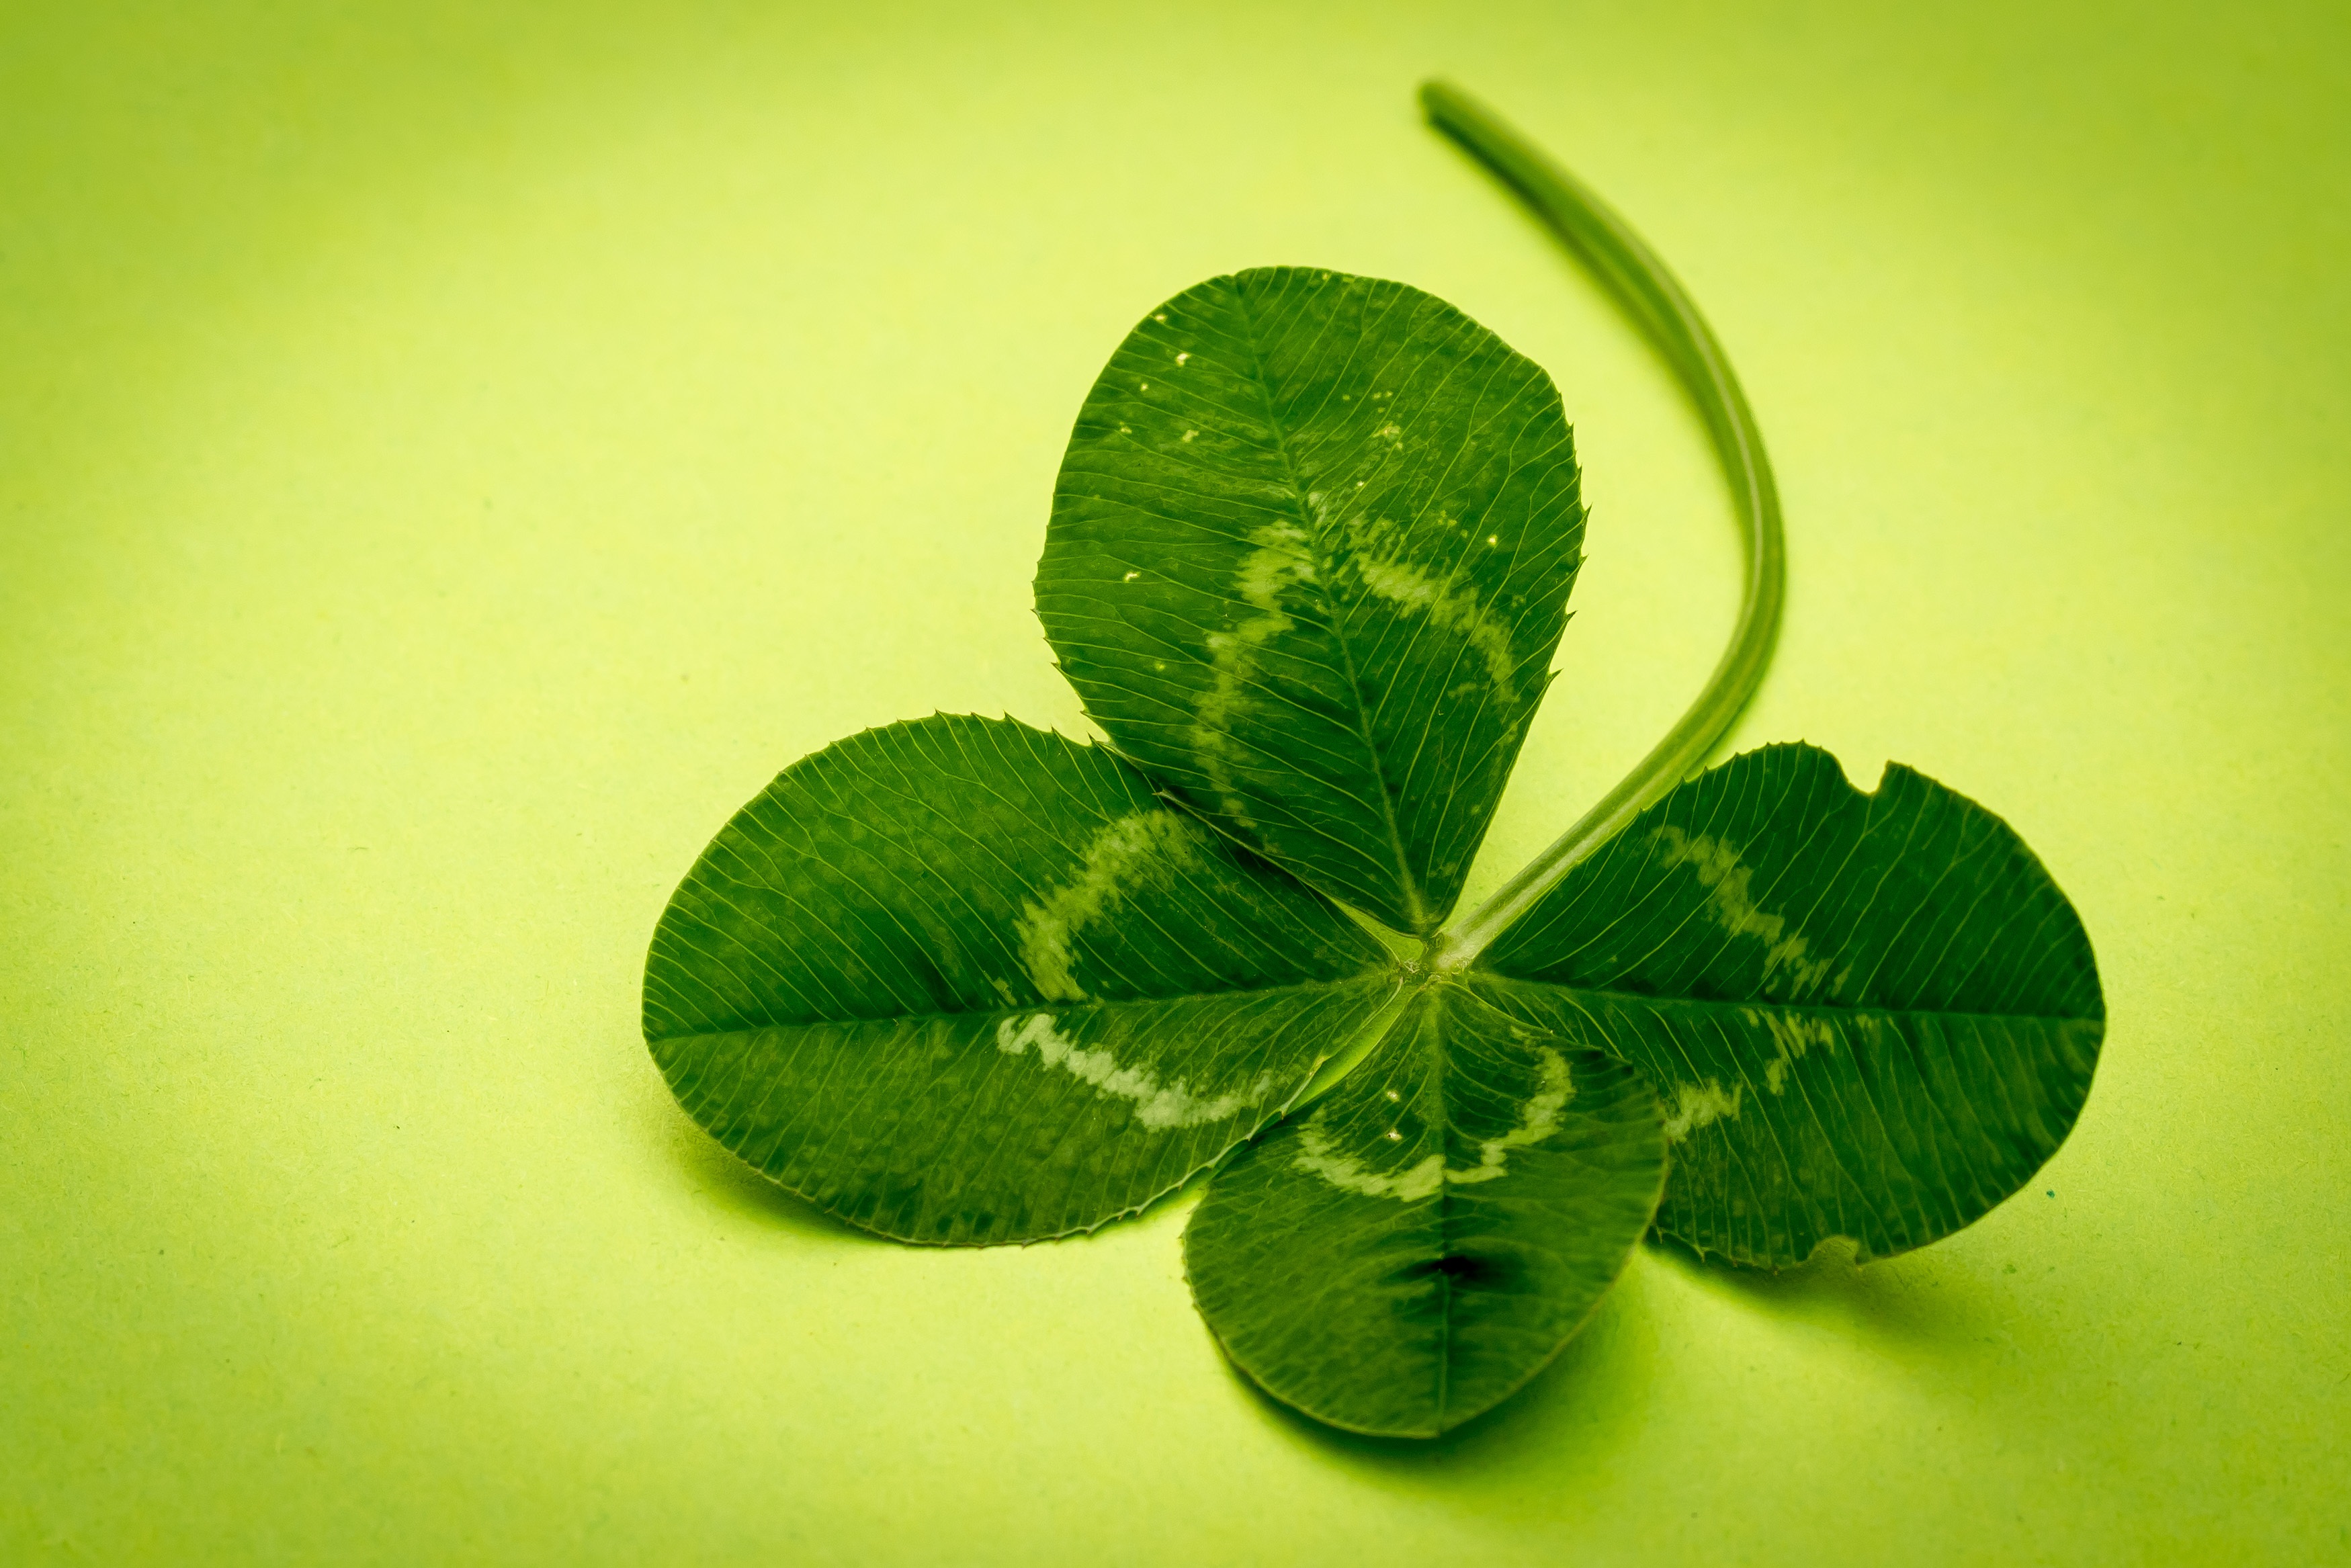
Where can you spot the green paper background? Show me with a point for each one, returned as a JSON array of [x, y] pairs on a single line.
[[452, 455]]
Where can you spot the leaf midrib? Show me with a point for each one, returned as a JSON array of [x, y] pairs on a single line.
[[1414, 907], [1373, 973], [1831, 1009]]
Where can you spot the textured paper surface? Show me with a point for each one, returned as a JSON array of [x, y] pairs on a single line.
[[455, 456]]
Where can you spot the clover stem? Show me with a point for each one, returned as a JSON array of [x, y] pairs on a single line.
[[1644, 286]]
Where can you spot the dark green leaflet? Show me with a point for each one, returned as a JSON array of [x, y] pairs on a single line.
[[1871, 1016], [1309, 558], [961, 980], [1409, 1252]]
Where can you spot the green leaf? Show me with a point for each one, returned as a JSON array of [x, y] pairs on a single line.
[[1868, 1015], [1414, 1249], [1310, 556], [961, 980]]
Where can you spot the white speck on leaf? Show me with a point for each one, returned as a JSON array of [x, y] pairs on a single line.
[[1184, 356]]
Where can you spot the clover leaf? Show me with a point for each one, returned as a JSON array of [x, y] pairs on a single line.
[[1416, 1247], [1309, 558], [959, 980], [1869, 1016]]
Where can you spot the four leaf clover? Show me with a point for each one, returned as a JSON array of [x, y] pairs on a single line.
[[960, 980]]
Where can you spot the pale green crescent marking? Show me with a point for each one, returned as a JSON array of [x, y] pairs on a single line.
[[1718, 868], [1278, 560], [1157, 1104], [1701, 1105], [1140, 849], [1538, 1119]]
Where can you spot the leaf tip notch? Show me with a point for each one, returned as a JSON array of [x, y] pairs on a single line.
[[1867, 1014]]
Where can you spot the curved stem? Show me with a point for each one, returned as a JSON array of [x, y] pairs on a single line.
[[1649, 292]]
